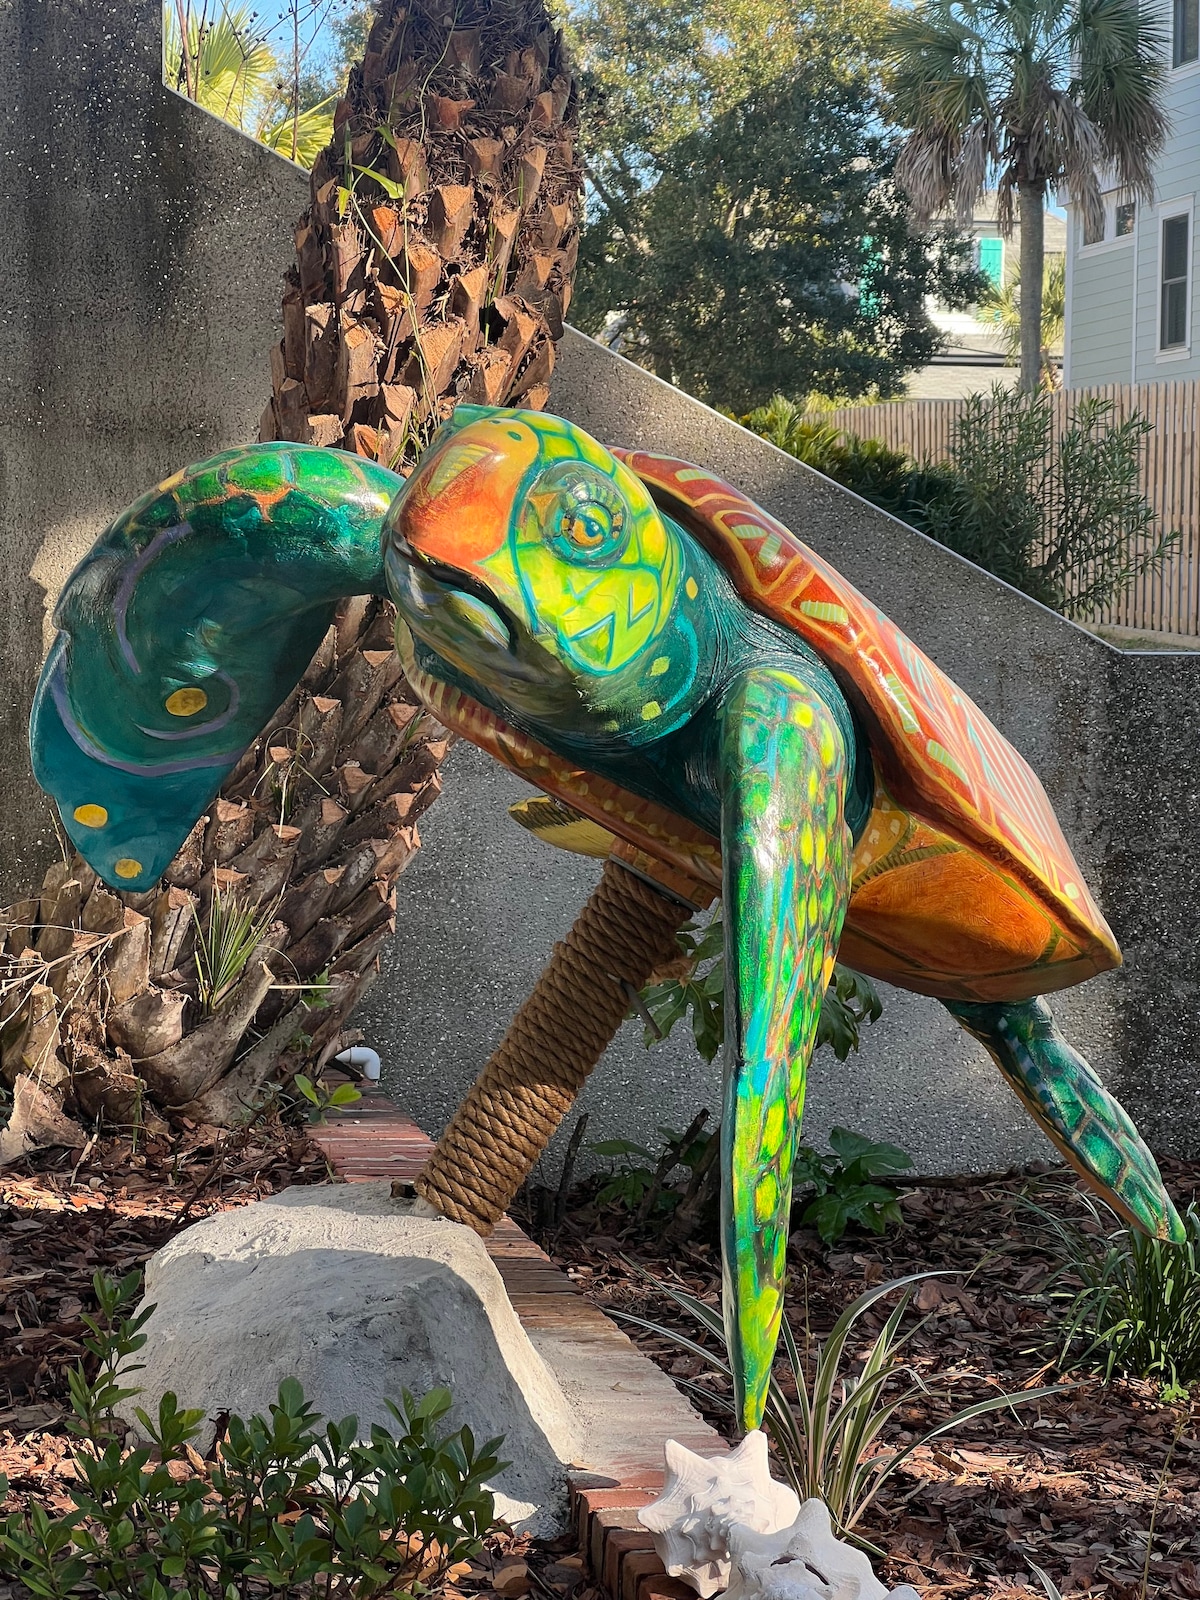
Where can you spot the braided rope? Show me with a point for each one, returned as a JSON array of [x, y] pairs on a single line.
[[623, 934]]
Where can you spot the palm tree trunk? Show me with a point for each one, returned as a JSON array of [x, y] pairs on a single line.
[[1033, 251]]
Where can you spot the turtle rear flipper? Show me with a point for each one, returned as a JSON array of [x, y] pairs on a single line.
[[1065, 1097]]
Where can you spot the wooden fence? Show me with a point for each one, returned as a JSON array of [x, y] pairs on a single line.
[[1163, 601]]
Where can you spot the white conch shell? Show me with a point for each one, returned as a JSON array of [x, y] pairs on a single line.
[[703, 1498], [802, 1562]]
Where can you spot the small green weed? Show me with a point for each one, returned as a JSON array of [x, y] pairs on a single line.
[[850, 1001], [291, 1504], [1127, 1305], [323, 1099], [226, 938], [845, 1187]]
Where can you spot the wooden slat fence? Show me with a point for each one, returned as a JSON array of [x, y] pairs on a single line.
[[1167, 600]]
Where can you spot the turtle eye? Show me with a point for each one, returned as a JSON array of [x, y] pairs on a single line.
[[588, 520]]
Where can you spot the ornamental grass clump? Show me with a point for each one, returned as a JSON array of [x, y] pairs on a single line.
[[288, 1504], [829, 1440], [1128, 1305]]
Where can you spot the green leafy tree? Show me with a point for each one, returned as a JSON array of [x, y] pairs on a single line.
[[1028, 96], [745, 234], [224, 62], [1002, 305]]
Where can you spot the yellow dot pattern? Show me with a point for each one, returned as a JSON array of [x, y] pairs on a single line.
[[186, 703], [127, 867], [692, 587], [90, 816], [659, 665], [651, 710]]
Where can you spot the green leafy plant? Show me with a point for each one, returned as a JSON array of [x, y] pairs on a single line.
[[829, 1439], [290, 1505], [1128, 1305], [845, 1187], [639, 1180], [850, 1000], [323, 1099], [226, 938], [1052, 504]]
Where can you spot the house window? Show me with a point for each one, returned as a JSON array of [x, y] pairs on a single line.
[[1124, 218], [1093, 228], [1173, 305], [1186, 33], [991, 260]]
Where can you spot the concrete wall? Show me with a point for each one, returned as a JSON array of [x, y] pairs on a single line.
[[140, 263], [141, 258]]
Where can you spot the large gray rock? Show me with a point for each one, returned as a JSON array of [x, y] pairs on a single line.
[[358, 1297]]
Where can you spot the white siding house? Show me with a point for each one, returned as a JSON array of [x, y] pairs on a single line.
[[1132, 310]]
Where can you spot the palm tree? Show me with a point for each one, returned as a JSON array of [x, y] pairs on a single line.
[[435, 264], [1002, 306], [225, 64], [1027, 95]]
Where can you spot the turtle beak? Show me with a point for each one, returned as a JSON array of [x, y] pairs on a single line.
[[456, 509]]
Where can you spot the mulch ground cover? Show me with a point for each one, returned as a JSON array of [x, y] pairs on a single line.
[[65, 1214], [1084, 1485]]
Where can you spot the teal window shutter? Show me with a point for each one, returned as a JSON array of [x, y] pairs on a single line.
[[991, 260]]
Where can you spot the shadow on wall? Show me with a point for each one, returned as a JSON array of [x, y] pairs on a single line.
[[141, 260]]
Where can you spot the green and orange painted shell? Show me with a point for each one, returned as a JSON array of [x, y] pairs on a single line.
[[963, 884]]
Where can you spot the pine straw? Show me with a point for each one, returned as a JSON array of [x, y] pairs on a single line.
[[1068, 1484]]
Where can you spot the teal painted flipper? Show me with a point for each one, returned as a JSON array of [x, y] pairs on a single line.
[[1065, 1097], [188, 623], [786, 852]]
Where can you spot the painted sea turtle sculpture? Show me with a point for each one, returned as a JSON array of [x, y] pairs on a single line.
[[666, 659]]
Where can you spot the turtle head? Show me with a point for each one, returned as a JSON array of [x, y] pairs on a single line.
[[533, 570]]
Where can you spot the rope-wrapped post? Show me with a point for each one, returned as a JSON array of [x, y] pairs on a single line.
[[624, 933]]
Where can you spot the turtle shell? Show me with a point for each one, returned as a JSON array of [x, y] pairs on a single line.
[[963, 885]]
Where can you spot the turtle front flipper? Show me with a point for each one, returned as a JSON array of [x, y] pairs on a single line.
[[1065, 1097], [183, 630], [786, 853]]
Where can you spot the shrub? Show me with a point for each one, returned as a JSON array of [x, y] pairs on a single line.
[[1059, 515], [1128, 1305], [828, 1441], [290, 1504]]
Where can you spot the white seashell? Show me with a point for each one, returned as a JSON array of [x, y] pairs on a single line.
[[703, 1498], [805, 1561]]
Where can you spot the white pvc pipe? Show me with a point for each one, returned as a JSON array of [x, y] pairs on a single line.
[[360, 1055]]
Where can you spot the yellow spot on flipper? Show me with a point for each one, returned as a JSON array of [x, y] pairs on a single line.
[[659, 665], [1071, 890], [127, 867], [185, 703], [90, 816], [651, 710], [692, 588]]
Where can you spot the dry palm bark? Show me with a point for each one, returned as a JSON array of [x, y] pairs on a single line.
[[433, 266], [104, 992], [436, 260]]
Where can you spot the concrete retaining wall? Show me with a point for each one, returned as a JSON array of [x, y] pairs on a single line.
[[140, 264]]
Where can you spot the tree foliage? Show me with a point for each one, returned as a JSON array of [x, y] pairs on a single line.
[[745, 233], [222, 59], [1027, 95]]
